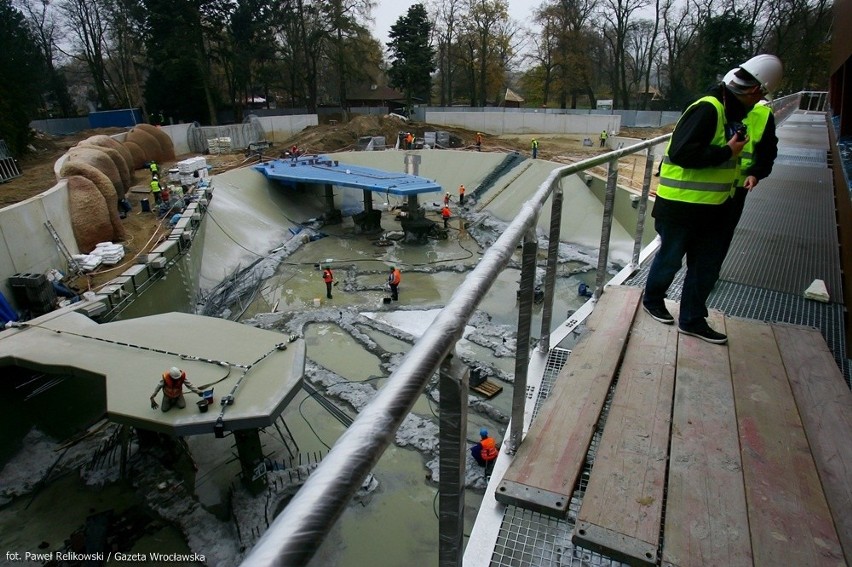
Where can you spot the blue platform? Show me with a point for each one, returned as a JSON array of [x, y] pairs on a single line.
[[323, 170]]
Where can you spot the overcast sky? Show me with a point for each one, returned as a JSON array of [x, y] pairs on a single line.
[[387, 12]]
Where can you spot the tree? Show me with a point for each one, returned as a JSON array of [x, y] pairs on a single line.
[[45, 30], [412, 56], [447, 16], [618, 15], [22, 74]]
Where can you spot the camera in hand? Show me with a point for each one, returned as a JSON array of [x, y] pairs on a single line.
[[739, 129]]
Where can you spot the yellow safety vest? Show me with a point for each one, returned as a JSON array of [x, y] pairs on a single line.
[[155, 186], [707, 185], [755, 122]]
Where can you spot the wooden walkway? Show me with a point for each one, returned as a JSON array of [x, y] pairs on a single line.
[[710, 455]]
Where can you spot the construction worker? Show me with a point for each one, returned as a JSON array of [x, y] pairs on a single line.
[[172, 383], [445, 214], [328, 278], [534, 148], [409, 141], [485, 452], [155, 169], [692, 209], [393, 281], [446, 199], [603, 138], [461, 195], [156, 190], [479, 141]]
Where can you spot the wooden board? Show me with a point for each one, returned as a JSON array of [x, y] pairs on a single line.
[[788, 515], [706, 522], [487, 389], [825, 406], [544, 472], [629, 471]]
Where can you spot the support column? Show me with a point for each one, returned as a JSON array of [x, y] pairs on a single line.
[[522, 348], [250, 454], [550, 274], [453, 383], [642, 208], [606, 227], [332, 215]]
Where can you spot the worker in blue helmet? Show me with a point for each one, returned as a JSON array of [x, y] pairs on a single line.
[[485, 451]]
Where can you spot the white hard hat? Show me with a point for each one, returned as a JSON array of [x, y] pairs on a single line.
[[767, 69], [174, 372]]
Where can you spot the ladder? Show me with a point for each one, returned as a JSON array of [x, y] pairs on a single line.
[[73, 265]]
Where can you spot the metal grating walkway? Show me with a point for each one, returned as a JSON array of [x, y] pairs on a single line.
[[784, 241]]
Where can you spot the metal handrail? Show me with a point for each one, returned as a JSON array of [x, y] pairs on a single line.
[[295, 535]]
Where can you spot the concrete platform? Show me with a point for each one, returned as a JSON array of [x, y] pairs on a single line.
[[262, 370]]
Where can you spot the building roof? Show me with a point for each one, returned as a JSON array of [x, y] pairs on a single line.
[[377, 93]]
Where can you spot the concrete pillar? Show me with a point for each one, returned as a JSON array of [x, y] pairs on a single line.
[[250, 454]]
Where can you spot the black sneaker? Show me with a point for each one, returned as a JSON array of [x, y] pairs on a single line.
[[705, 333], [661, 314]]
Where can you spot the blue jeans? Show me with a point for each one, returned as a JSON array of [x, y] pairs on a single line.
[[705, 250]]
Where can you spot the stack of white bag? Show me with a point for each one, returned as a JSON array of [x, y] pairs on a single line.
[[87, 262], [109, 253]]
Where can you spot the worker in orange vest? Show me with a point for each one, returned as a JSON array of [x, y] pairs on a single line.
[[172, 385], [461, 195], [393, 281], [486, 450], [328, 278], [445, 214], [409, 141], [479, 141]]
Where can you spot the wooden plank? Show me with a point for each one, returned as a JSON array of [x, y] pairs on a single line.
[[706, 519], [548, 462], [789, 519], [487, 389], [825, 406], [622, 508]]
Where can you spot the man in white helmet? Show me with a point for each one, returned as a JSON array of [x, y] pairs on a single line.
[[757, 77], [692, 209], [172, 383]]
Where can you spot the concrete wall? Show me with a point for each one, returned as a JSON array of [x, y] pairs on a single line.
[[497, 122], [26, 245]]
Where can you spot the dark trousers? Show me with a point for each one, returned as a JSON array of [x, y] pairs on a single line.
[[461, 199], [704, 249], [394, 291], [735, 206], [328, 289]]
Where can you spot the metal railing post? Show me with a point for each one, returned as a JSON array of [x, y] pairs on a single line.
[[642, 208], [453, 384], [522, 341], [606, 226], [550, 274]]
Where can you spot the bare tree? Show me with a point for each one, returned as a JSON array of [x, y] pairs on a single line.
[[485, 17], [446, 15], [618, 18]]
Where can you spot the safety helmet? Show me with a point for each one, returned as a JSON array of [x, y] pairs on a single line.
[[393, 268], [326, 267], [483, 432], [174, 372], [767, 69]]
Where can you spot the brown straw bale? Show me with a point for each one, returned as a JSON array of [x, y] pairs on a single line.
[[110, 142], [167, 146], [98, 158], [89, 214], [148, 143], [105, 188], [137, 154], [117, 159]]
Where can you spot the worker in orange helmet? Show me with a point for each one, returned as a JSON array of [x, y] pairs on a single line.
[[394, 278], [445, 214]]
